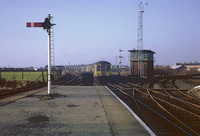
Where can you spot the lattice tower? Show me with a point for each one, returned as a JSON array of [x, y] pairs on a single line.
[[140, 40]]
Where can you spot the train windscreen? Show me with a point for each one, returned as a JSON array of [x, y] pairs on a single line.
[[103, 67], [108, 67], [98, 68]]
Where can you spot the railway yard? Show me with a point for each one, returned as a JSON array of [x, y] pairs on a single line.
[[167, 105], [96, 88], [163, 103]]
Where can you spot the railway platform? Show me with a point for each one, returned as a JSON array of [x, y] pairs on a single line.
[[72, 110]]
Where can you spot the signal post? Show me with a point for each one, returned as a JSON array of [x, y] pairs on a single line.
[[46, 26]]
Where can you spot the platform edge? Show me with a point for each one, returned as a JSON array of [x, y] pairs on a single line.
[[138, 119]]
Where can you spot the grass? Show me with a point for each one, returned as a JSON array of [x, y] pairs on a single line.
[[28, 75]]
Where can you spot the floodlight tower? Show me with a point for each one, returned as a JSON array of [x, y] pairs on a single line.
[[140, 39]]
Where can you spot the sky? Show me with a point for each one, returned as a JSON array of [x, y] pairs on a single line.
[[87, 31]]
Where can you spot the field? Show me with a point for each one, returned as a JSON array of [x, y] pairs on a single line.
[[28, 75]]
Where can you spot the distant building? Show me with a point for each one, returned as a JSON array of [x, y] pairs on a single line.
[[147, 63], [180, 67]]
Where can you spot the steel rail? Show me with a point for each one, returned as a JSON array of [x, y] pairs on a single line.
[[77, 81], [132, 97], [163, 88], [185, 94], [66, 78], [190, 81], [192, 105], [153, 98], [159, 105], [71, 80], [138, 101]]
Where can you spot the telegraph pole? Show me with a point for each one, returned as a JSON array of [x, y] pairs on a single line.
[[46, 26]]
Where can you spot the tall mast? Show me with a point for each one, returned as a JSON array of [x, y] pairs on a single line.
[[140, 39]]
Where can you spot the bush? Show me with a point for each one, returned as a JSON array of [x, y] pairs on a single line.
[[11, 84], [2, 82]]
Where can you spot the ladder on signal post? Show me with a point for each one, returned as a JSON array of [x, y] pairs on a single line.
[[52, 45]]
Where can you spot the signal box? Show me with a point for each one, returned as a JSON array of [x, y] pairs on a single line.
[[147, 61]]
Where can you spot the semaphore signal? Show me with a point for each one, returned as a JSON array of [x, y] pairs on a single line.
[[47, 26], [35, 24]]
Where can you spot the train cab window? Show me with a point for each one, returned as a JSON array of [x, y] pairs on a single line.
[[98, 68], [103, 68], [108, 67]]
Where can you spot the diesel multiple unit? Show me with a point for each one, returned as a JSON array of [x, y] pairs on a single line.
[[100, 68]]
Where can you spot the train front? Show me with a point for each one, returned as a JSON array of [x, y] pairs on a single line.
[[103, 68]]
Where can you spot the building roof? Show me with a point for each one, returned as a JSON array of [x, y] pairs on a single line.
[[187, 64], [150, 51], [176, 66]]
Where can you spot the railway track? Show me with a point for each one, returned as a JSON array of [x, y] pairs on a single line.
[[160, 103], [183, 111], [67, 80], [8, 93]]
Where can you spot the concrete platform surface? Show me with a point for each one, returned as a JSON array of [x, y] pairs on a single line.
[[74, 111]]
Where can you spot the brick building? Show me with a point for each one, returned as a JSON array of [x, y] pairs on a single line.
[[147, 63]]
